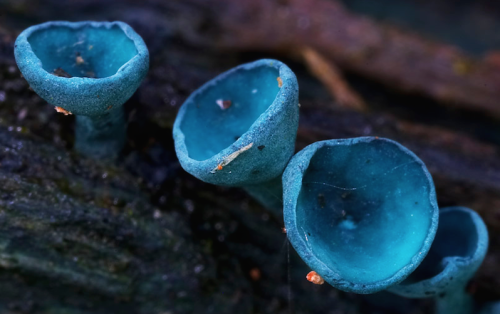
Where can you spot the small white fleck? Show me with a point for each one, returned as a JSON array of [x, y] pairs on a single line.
[[22, 114], [198, 269], [105, 175], [254, 91], [189, 205]]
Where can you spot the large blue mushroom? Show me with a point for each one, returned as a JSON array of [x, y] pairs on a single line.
[[361, 212], [88, 69]]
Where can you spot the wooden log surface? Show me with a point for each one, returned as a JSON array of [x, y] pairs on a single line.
[[141, 236]]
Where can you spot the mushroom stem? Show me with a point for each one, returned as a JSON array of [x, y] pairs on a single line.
[[101, 136], [269, 194], [456, 301]]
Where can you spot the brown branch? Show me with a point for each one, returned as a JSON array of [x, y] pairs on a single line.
[[396, 58]]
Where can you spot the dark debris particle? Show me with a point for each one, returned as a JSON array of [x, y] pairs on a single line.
[[261, 147], [61, 73], [321, 200]]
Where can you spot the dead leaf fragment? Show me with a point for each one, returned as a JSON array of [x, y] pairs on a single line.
[[63, 111]]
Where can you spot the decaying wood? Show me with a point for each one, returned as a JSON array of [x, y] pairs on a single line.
[[84, 237], [396, 58]]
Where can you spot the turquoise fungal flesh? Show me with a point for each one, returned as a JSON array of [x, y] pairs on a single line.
[[89, 69], [261, 114], [458, 250], [249, 141], [360, 212]]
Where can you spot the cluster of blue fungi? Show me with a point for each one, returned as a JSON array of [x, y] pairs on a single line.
[[361, 212]]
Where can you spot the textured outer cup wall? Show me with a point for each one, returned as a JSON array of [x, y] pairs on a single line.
[[276, 129], [80, 95], [292, 184], [458, 270]]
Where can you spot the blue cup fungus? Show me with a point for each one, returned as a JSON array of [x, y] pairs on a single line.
[[491, 308], [361, 212], [88, 69], [457, 252], [239, 129]]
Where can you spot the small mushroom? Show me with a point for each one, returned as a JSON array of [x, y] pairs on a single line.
[[54, 59], [225, 147]]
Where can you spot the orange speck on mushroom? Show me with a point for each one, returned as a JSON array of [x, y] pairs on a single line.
[[109, 107], [280, 81], [316, 279], [283, 230], [219, 167], [61, 110]]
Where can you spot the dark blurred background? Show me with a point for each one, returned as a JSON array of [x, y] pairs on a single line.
[[141, 236]]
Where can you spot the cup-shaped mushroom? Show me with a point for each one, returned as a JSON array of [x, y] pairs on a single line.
[[88, 69], [239, 128], [491, 308], [360, 212], [458, 250]]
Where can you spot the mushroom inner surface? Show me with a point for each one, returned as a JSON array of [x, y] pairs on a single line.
[[457, 236], [87, 51], [246, 93], [364, 210]]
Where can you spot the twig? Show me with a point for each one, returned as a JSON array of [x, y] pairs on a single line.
[[331, 77], [229, 158]]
